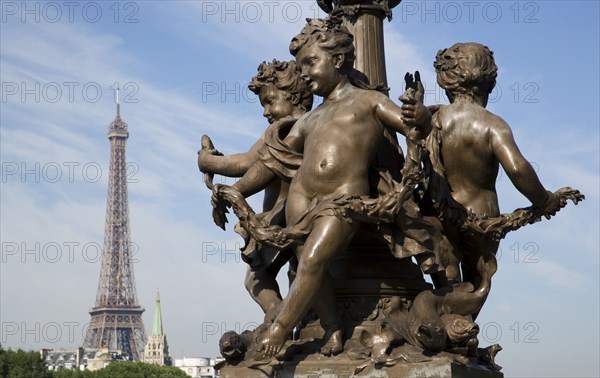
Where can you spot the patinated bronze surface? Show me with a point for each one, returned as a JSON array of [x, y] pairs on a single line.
[[350, 209], [282, 94]]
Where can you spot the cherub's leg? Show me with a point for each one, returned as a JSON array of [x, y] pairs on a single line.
[[454, 256], [328, 237], [453, 269], [474, 249], [263, 288], [326, 308]]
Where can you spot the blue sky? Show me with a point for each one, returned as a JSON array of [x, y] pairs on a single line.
[[183, 67]]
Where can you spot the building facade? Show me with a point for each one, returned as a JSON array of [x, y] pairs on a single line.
[[81, 358], [199, 367]]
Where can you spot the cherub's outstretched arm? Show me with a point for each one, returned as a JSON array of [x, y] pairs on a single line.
[[518, 169], [234, 165], [255, 179]]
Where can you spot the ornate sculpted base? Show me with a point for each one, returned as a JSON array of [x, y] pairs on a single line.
[[361, 294], [316, 366], [369, 308]]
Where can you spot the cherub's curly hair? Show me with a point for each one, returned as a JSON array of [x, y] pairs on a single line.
[[466, 68], [285, 77], [331, 36]]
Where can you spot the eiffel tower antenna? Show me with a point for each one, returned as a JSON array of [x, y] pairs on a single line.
[[118, 103], [116, 321]]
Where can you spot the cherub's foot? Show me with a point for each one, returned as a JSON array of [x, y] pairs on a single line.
[[272, 313], [273, 340], [334, 343]]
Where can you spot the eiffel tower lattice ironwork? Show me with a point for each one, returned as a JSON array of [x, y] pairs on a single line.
[[116, 321]]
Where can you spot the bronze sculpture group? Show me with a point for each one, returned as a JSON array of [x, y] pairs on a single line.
[[337, 169]]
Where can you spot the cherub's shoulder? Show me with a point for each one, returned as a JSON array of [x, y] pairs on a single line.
[[495, 122], [373, 94], [496, 128], [372, 97], [473, 112]]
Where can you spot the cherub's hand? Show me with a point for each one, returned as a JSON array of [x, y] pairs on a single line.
[[414, 112], [414, 90], [207, 149], [553, 204]]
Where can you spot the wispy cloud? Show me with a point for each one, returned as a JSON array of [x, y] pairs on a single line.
[[555, 274]]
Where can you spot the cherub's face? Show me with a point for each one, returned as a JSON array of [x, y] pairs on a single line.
[[319, 69], [275, 103]]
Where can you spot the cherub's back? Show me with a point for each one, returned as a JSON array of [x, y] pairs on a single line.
[[469, 162]]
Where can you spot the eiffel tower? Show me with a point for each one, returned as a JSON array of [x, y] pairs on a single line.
[[117, 317]]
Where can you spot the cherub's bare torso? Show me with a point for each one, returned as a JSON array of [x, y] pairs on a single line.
[[340, 140]]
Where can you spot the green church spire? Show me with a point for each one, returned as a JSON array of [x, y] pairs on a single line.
[[157, 326]]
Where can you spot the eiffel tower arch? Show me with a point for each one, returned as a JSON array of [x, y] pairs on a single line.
[[116, 321]]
